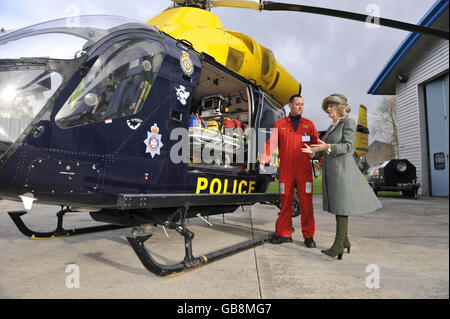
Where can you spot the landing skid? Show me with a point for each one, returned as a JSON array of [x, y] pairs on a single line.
[[16, 216], [183, 202], [189, 262]]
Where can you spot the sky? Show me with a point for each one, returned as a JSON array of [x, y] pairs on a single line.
[[325, 54]]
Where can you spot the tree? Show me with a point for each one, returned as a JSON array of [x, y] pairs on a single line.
[[384, 127]]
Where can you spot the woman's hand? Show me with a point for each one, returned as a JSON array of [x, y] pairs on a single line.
[[262, 166], [322, 147]]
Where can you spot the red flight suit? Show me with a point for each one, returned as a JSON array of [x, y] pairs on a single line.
[[295, 169]]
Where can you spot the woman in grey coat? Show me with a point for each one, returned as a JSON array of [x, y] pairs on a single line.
[[344, 188]]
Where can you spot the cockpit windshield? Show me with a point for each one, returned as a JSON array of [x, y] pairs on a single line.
[[25, 88], [66, 38]]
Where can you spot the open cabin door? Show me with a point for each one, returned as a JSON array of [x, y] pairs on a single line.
[[268, 112], [220, 118]]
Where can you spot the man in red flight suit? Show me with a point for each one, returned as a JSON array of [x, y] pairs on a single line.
[[290, 134]]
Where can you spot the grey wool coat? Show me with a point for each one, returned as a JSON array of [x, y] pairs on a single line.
[[344, 188]]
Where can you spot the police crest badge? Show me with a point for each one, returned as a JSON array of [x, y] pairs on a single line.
[[186, 63], [153, 141]]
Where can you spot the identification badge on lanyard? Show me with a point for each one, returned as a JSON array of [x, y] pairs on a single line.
[[306, 138]]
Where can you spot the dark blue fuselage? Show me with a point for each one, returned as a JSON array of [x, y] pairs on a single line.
[[90, 164]]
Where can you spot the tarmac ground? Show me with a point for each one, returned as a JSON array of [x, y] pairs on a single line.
[[400, 251]]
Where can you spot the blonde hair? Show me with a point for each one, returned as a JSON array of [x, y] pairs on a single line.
[[340, 100]]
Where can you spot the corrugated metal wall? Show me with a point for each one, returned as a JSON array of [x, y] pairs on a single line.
[[411, 109]]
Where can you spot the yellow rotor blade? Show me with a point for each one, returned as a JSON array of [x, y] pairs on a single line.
[[208, 4], [245, 4]]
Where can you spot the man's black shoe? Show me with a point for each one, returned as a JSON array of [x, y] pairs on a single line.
[[280, 240], [310, 243]]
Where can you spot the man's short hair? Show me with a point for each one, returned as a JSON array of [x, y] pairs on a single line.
[[293, 97]]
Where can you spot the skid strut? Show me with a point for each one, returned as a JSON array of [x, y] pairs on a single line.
[[189, 261], [16, 216]]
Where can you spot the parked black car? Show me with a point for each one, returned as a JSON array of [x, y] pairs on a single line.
[[395, 175]]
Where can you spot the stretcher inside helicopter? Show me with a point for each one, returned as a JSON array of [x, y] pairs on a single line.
[[220, 113]]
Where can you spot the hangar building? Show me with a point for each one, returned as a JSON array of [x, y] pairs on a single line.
[[417, 73]]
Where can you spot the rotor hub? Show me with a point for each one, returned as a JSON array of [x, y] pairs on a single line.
[[201, 4]]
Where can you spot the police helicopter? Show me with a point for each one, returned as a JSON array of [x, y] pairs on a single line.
[[144, 124]]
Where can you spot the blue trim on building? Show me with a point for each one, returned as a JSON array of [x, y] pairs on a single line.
[[435, 11]]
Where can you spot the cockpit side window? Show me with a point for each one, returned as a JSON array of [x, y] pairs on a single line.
[[117, 84]]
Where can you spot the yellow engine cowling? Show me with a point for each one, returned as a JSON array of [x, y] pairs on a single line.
[[235, 50]]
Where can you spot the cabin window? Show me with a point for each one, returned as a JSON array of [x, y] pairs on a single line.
[[117, 84], [269, 115]]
